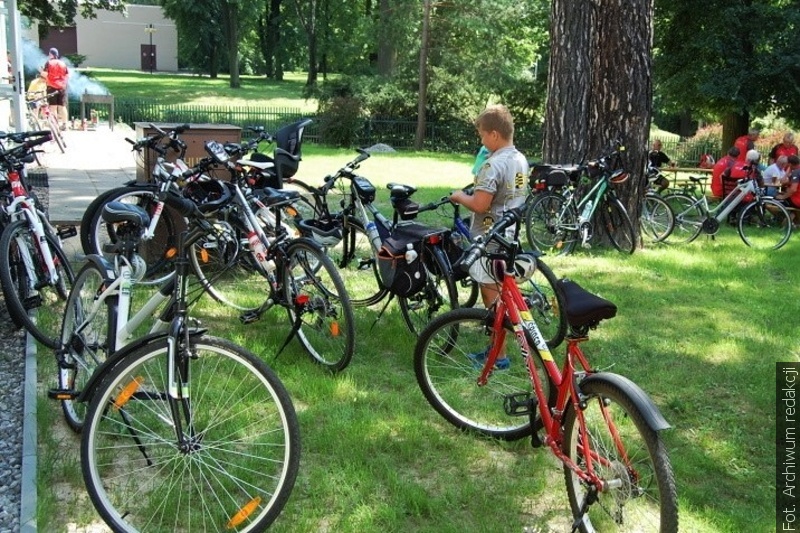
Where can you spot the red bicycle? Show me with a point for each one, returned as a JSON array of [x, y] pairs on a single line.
[[600, 425]]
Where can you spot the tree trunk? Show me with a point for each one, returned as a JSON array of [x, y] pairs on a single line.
[[309, 22], [422, 103], [269, 33], [230, 17], [600, 85], [734, 125], [387, 52]]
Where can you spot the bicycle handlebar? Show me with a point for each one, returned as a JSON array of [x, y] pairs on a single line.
[[478, 248]]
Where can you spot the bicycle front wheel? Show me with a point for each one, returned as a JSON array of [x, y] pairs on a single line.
[[84, 339], [437, 296], [628, 456], [448, 375], [52, 124], [617, 225], [551, 224], [688, 216], [657, 220], [154, 459], [27, 284], [765, 225], [318, 305], [546, 303], [355, 258]]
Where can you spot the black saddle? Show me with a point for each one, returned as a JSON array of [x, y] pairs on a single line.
[[114, 212], [274, 197], [583, 308]]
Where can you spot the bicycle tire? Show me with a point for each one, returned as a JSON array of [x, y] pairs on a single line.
[[468, 291], [448, 378], [765, 224], [357, 264], [688, 217], [23, 294], [95, 233], [546, 303], [438, 295], [617, 225], [83, 351], [56, 132], [649, 505], [314, 287], [551, 224], [657, 220], [237, 469]]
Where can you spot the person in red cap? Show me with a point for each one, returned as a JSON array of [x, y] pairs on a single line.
[[55, 72]]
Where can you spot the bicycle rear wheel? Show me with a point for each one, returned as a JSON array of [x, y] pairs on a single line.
[[225, 460], [657, 220], [765, 225], [318, 305], [355, 259], [438, 296], [617, 225], [27, 285], [551, 224], [688, 217], [52, 124], [546, 303], [448, 377], [630, 458]]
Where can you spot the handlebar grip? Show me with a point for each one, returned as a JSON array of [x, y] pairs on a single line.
[[36, 142], [466, 261], [131, 141]]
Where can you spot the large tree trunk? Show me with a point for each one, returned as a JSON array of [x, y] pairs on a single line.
[[269, 36], [308, 19], [422, 102], [734, 125], [387, 52], [230, 17], [600, 85]]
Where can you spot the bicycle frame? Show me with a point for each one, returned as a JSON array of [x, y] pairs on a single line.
[[731, 201]]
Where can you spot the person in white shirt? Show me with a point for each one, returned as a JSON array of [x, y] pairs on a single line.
[[775, 175]]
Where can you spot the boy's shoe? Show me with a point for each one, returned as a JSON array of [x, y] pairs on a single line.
[[479, 358]]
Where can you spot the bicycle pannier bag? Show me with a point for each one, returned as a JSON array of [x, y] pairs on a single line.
[[397, 274]]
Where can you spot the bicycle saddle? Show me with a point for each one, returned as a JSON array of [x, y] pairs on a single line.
[[582, 307], [114, 212], [273, 197]]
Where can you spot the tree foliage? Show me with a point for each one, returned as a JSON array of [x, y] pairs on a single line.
[[61, 13]]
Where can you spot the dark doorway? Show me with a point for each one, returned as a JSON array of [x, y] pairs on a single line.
[[149, 57]]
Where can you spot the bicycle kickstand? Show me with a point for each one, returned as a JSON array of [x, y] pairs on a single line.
[[391, 297], [589, 499]]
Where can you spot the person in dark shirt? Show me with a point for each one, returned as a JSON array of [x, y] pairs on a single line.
[[656, 159]]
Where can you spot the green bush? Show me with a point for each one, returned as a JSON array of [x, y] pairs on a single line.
[[340, 120]]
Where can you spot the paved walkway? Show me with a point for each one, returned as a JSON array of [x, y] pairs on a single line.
[[94, 161]]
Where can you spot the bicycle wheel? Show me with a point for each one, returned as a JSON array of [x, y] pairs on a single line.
[[95, 233], [551, 224], [52, 124], [227, 459], [546, 303], [617, 225], [688, 216], [85, 342], [630, 458], [468, 292], [318, 305], [26, 282], [438, 296], [765, 224], [657, 220], [449, 378], [355, 259]]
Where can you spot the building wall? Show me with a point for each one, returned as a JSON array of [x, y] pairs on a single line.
[[114, 40]]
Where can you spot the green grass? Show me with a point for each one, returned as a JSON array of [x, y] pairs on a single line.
[[699, 327]]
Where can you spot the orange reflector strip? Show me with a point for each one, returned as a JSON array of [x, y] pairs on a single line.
[[171, 253], [126, 393], [291, 211], [204, 257], [335, 329], [244, 512]]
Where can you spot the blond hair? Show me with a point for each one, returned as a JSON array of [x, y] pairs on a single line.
[[496, 118]]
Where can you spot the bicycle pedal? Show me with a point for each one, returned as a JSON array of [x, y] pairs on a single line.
[[249, 317], [65, 232], [62, 394], [519, 404], [32, 302]]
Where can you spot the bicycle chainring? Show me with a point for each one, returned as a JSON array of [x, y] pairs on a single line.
[[711, 226]]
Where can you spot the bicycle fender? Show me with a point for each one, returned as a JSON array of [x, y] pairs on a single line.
[[108, 365], [104, 265], [641, 400]]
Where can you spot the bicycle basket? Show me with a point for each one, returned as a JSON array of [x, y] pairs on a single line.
[[398, 275]]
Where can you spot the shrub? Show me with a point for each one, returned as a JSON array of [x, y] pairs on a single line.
[[340, 120]]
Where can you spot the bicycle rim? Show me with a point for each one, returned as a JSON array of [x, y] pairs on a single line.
[[84, 340], [546, 304], [617, 226], [56, 133], [765, 225], [688, 218], [355, 259], [448, 376], [629, 456], [239, 461], [318, 301], [657, 220], [551, 224], [438, 296]]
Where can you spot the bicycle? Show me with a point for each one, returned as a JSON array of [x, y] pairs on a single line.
[[600, 425], [762, 223], [540, 290], [657, 219], [370, 250], [34, 270], [185, 430], [558, 222], [39, 107]]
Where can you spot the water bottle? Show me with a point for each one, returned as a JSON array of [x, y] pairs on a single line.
[[374, 237], [260, 251], [411, 253], [587, 211]]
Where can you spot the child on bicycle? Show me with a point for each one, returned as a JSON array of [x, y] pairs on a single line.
[[500, 184]]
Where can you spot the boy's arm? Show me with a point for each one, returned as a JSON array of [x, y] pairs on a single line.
[[478, 202]]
